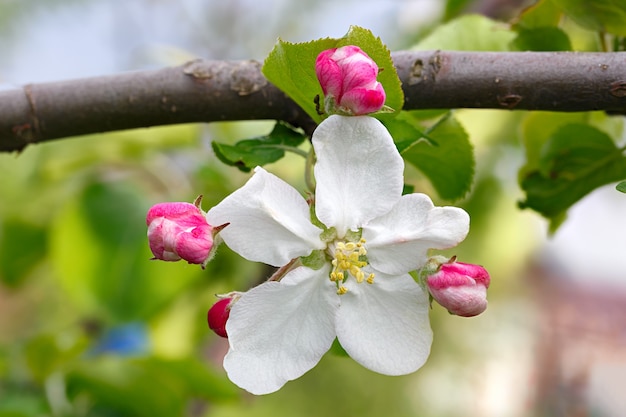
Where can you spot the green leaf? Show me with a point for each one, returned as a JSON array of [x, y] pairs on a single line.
[[200, 380], [455, 8], [539, 126], [408, 189], [543, 13], [47, 353], [22, 247], [621, 187], [574, 161], [146, 387], [291, 67], [449, 164], [469, 33], [249, 153], [542, 39], [598, 15]]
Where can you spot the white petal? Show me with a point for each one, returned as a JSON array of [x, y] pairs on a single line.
[[269, 221], [398, 241], [359, 171], [279, 330], [384, 326]]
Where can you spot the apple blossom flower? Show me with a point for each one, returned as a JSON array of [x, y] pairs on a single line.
[[348, 79], [179, 231], [218, 315], [461, 288], [351, 280]]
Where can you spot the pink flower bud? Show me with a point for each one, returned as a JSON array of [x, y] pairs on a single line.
[[461, 288], [179, 231], [348, 79], [218, 315]]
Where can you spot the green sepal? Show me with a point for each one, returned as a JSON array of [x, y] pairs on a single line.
[[315, 260], [328, 235], [353, 235]]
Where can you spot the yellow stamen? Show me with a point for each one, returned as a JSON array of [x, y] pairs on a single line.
[[349, 258]]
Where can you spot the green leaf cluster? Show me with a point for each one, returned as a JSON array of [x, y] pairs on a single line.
[[572, 162], [567, 155], [249, 153]]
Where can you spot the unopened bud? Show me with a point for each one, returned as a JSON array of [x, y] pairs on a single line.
[[461, 288], [218, 315], [179, 231], [348, 79]]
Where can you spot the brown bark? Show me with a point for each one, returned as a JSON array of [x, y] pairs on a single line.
[[209, 91]]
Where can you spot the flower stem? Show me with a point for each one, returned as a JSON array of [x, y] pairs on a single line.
[[308, 170], [283, 270]]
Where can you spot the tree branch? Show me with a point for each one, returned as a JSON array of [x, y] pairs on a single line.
[[209, 91]]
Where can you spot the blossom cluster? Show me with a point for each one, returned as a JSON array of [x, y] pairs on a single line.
[[344, 257]]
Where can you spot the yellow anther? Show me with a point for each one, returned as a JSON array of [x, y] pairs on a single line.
[[349, 258], [354, 270]]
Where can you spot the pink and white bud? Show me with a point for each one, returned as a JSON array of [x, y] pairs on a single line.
[[179, 231], [348, 79], [461, 288], [218, 316]]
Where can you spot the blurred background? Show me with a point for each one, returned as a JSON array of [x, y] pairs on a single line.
[[90, 327]]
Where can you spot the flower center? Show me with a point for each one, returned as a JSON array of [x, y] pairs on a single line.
[[349, 260]]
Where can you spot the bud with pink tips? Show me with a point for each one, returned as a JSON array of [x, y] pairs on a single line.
[[461, 288], [348, 79], [180, 231], [218, 314]]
